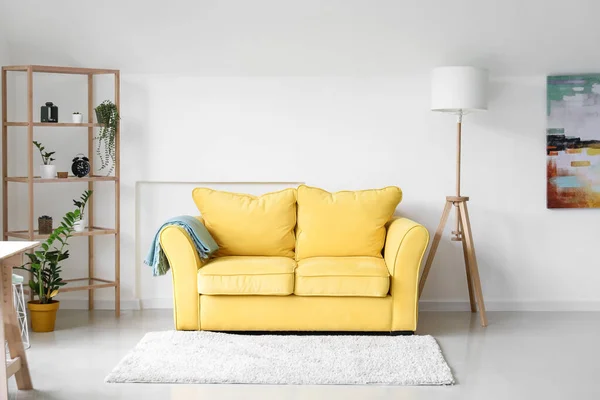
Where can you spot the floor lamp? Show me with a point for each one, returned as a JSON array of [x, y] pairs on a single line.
[[459, 91]]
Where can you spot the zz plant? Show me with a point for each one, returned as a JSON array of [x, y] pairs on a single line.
[[108, 115], [82, 202], [45, 264], [46, 156]]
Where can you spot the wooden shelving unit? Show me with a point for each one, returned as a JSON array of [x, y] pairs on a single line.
[[91, 282]]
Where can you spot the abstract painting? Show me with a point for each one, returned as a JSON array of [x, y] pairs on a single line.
[[573, 141]]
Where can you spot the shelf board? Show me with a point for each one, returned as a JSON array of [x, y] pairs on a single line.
[[37, 179], [94, 231], [12, 366], [61, 70], [86, 284], [55, 124]]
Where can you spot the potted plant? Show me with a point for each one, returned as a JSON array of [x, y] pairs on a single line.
[[77, 117], [47, 170], [79, 224], [44, 266], [107, 114]]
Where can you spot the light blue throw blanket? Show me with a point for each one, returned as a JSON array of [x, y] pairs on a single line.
[[205, 244]]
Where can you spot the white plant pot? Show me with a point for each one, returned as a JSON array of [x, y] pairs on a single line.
[[79, 226], [48, 171], [77, 118]]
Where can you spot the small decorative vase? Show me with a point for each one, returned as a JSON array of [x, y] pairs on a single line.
[[45, 225], [43, 316], [48, 171], [79, 226], [77, 118]]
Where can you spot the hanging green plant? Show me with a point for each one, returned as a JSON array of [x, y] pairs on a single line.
[[107, 115]]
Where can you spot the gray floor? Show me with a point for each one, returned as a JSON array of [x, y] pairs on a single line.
[[519, 356]]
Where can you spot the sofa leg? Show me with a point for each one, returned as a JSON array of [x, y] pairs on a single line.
[[402, 333]]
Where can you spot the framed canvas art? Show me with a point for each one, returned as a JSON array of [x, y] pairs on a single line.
[[573, 141]]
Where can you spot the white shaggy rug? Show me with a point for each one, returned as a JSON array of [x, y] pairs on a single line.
[[211, 357]]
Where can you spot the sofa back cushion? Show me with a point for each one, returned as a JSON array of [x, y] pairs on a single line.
[[247, 225], [344, 223]]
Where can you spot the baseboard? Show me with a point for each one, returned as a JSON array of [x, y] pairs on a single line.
[[428, 305], [161, 303], [424, 305], [82, 304]]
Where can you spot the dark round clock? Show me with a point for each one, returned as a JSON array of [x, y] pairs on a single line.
[[81, 166]]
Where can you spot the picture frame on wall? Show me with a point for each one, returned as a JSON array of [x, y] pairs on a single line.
[[573, 141]]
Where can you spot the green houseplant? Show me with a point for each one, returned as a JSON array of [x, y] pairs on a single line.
[[45, 268], [79, 224], [107, 114], [47, 170], [77, 117]]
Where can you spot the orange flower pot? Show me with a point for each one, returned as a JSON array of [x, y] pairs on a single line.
[[43, 316]]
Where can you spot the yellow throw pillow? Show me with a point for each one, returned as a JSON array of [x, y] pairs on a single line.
[[343, 223], [246, 225]]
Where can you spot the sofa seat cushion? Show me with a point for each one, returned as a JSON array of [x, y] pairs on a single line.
[[342, 276], [247, 275]]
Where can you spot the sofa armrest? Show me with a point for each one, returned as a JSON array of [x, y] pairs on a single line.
[[405, 245], [185, 262]]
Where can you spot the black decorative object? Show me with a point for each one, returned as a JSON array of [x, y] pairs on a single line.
[[81, 166], [49, 112]]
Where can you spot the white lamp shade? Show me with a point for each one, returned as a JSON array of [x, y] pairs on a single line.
[[459, 89]]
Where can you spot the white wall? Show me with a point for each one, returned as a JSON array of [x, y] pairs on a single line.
[[3, 41], [338, 96], [3, 50], [4, 59], [4, 55]]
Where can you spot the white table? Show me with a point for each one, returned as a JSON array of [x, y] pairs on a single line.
[[11, 255]]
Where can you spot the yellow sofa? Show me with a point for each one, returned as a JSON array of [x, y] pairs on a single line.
[[298, 260]]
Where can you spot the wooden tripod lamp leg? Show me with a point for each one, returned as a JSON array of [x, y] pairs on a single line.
[[434, 246], [470, 250], [467, 263]]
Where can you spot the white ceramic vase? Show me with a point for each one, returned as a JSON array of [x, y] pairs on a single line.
[[77, 118], [79, 225], [48, 171]]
